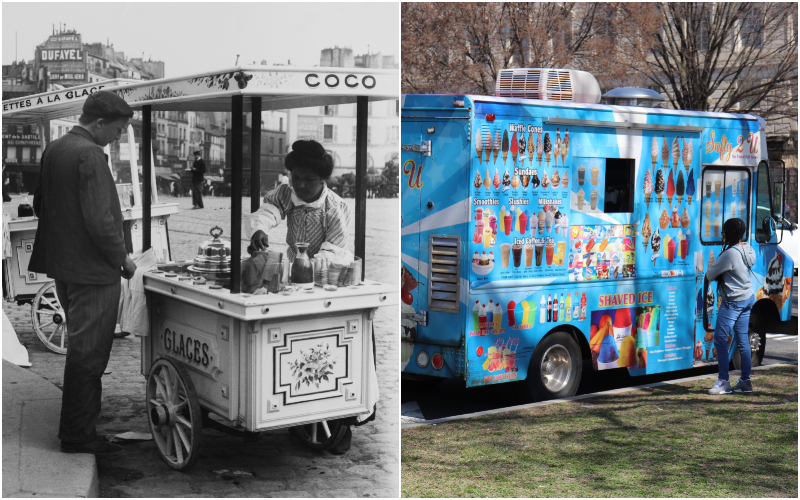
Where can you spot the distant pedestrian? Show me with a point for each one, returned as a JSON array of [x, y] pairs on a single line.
[[6, 185], [198, 171], [80, 244], [732, 271]]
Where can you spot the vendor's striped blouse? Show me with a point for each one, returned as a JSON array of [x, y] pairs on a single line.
[[326, 219]]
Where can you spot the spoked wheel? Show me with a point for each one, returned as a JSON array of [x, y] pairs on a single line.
[[50, 319], [174, 414], [321, 435]]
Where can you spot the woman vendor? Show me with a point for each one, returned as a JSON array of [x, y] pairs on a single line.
[[314, 213]]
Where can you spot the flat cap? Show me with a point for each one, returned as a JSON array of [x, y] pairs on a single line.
[[104, 104], [197, 153]]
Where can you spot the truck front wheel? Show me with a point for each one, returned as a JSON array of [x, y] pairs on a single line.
[[554, 370]]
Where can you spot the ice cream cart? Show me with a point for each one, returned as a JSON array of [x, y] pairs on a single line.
[[299, 359], [23, 286]]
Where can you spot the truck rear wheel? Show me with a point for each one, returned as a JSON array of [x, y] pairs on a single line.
[[554, 370], [758, 343]]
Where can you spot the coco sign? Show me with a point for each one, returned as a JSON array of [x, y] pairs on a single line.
[[333, 81]]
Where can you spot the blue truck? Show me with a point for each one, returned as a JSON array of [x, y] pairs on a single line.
[[541, 228]]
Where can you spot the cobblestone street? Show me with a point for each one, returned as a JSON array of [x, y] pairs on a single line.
[[276, 464]]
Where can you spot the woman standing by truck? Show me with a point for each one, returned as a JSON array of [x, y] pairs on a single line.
[[732, 271]]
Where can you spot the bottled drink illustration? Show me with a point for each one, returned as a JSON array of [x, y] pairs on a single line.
[[569, 307], [490, 315], [549, 308], [554, 316], [542, 311], [583, 306], [561, 308]]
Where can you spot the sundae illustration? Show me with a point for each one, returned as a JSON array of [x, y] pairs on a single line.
[[565, 179], [496, 181], [506, 181], [663, 221], [555, 179], [545, 180], [535, 179], [675, 220], [478, 181], [685, 218]]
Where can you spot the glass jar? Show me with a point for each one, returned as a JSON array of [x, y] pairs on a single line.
[[302, 270], [25, 209]]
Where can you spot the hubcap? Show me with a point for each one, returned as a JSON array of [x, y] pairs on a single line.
[[555, 368], [755, 342]]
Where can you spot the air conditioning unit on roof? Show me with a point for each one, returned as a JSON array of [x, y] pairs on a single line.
[[548, 84]]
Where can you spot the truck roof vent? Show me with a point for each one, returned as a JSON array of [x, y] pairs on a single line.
[[632, 96], [548, 84]]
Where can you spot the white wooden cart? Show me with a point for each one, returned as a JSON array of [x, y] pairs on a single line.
[[23, 286], [258, 362]]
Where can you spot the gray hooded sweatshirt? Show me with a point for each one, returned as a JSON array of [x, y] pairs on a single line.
[[732, 269]]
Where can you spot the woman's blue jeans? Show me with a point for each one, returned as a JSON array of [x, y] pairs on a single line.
[[735, 316]]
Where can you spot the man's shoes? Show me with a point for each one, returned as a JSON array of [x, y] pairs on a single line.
[[742, 386], [120, 335], [96, 447], [344, 444], [721, 387]]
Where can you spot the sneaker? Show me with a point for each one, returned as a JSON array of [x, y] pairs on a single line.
[[96, 447], [742, 386], [721, 387]]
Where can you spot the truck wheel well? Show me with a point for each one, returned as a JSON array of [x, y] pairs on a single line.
[[768, 311], [577, 335]]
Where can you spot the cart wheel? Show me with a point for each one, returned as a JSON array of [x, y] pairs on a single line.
[[320, 435], [50, 319], [174, 414]]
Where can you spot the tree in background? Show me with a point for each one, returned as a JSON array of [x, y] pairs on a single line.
[[460, 47], [728, 57]]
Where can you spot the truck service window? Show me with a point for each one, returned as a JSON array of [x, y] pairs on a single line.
[[724, 195], [619, 185]]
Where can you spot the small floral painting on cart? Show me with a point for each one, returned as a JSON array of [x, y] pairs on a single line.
[[314, 366]]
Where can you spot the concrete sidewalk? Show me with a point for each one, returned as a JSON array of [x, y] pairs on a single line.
[[33, 465]]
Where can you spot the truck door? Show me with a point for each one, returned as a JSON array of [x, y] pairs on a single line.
[[412, 164], [435, 157]]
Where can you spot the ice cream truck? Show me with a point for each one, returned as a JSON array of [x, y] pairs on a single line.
[[542, 229]]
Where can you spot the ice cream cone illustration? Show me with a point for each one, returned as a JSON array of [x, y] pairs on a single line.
[[648, 187], [487, 145], [565, 147], [646, 231], [521, 142], [479, 145], [687, 154], [676, 153], [487, 180], [654, 151], [664, 151], [557, 147], [659, 186], [496, 145], [531, 147], [548, 147], [539, 148], [670, 188], [505, 146], [514, 149], [478, 182], [496, 181], [690, 187], [680, 187]]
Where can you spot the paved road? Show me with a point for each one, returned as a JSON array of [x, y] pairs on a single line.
[[451, 397], [277, 464]]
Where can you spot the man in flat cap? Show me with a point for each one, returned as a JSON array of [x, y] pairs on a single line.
[[80, 244], [198, 169]]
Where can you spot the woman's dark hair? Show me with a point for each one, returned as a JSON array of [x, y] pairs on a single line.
[[733, 231], [310, 154]]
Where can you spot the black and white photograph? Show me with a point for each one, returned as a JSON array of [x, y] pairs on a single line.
[[200, 249]]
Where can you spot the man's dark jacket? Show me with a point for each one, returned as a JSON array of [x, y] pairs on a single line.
[[79, 238], [198, 169]]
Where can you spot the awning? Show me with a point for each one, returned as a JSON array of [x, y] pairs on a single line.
[[169, 177]]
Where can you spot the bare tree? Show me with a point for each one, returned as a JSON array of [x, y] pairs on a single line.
[[729, 57], [460, 47]]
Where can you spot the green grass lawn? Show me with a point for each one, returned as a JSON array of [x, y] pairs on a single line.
[[667, 441]]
